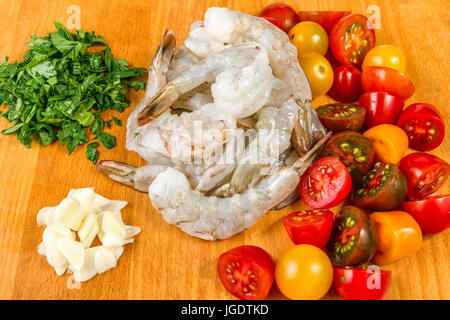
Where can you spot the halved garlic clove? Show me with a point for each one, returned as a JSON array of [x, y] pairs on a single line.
[[73, 251], [88, 270], [131, 231], [110, 224], [45, 216], [66, 211], [112, 240], [104, 260], [54, 257], [88, 230], [58, 232], [115, 205], [86, 198], [100, 203]]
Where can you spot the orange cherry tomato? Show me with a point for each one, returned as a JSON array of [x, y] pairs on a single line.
[[399, 235], [389, 142]]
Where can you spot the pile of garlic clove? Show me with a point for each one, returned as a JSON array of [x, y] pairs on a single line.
[[88, 215]]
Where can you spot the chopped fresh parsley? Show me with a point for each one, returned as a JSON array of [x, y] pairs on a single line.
[[61, 88]]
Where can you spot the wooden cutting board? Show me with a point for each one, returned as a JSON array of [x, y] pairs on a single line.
[[165, 263]]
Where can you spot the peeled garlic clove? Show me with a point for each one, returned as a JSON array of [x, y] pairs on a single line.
[[54, 257], [66, 211], [76, 221], [58, 232], [117, 252], [104, 260], [112, 240], [86, 197], [115, 205], [100, 203], [131, 231], [88, 230], [111, 224], [45, 216], [41, 249], [88, 270], [73, 251]]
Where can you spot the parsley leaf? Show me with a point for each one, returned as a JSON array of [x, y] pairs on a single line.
[[107, 140], [91, 152]]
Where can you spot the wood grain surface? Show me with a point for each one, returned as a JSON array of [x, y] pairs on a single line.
[[164, 262]]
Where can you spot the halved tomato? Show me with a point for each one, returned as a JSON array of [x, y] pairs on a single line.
[[432, 214], [351, 38], [325, 184], [361, 283], [384, 79], [327, 19], [347, 86], [309, 227], [340, 116], [425, 174], [354, 239], [247, 272], [354, 150], [383, 188], [382, 108], [424, 126]]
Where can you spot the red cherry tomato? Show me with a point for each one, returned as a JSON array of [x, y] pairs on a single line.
[[432, 214], [351, 38], [384, 79], [247, 272], [332, 60], [327, 19], [309, 227], [325, 184], [424, 126], [347, 86], [381, 108], [361, 284], [283, 13], [274, 21], [424, 173]]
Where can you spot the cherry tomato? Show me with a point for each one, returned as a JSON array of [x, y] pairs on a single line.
[[354, 239], [327, 19], [389, 141], [398, 233], [339, 117], [361, 284], [331, 59], [304, 272], [354, 150], [381, 108], [347, 86], [351, 38], [247, 272], [383, 79], [325, 184], [274, 21], [424, 126], [425, 174], [383, 188], [283, 13], [310, 227], [309, 36], [318, 71], [432, 214], [385, 55]]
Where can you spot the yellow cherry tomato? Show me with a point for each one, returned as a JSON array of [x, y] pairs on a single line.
[[304, 272], [389, 142], [318, 71], [309, 36], [386, 55], [399, 235]]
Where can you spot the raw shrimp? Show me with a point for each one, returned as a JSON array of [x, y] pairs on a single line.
[[243, 82]]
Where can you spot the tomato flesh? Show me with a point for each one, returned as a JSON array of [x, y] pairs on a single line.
[[384, 79], [361, 284], [424, 126], [425, 174], [339, 117], [351, 38], [432, 214], [354, 150], [325, 184], [247, 272], [347, 85], [309, 227], [327, 19], [382, 108], [287, 16], [383, 188], [354, 239]]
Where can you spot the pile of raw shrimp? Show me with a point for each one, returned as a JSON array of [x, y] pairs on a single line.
[[225, 126]]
